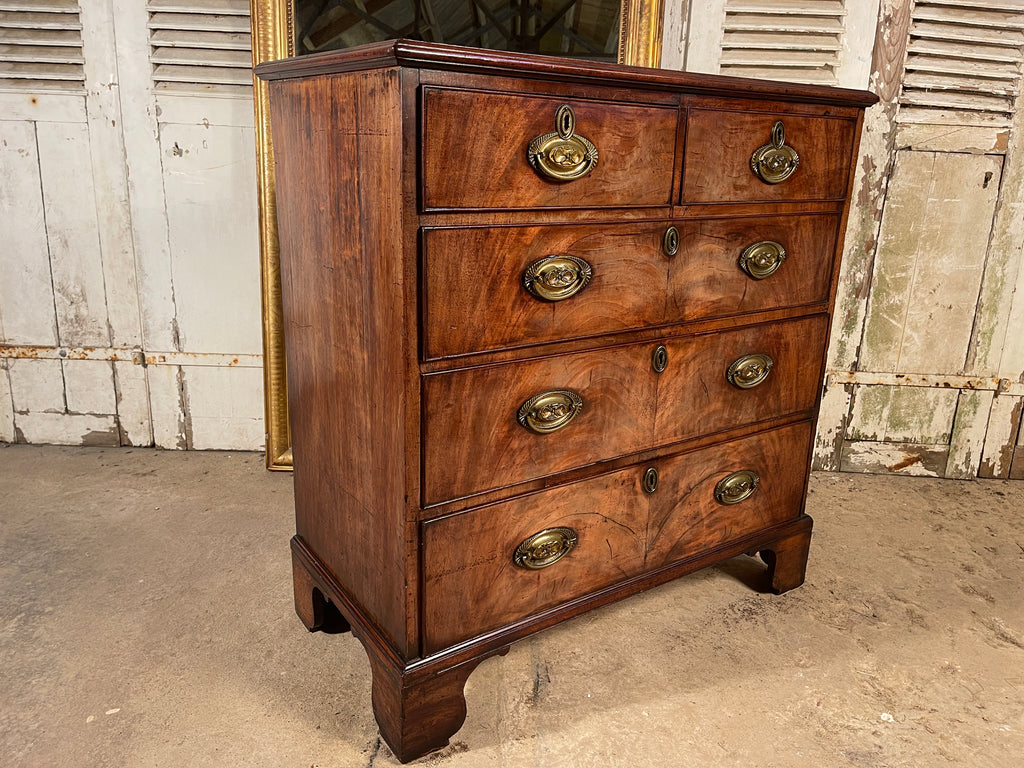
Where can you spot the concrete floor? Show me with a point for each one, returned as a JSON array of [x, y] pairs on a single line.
[[146, 620]]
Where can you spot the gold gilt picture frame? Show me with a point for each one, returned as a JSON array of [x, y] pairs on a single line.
[[273, 37]]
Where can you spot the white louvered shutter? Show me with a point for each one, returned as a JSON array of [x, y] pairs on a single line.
[[200, 45], [41, 46], [963, 63], [794, 40]]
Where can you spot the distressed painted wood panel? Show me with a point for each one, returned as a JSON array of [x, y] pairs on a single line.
[[209, 182], [142, 157], [98, 225], [999, 341], [1017, 466], [975, 140], [997, 345], [43, 107], [131, 383], [207, 407], [706, 24], [166, 384], [64, 402], [833, 417], [902, 414], [37, 386], [966, 444], [89, 386], [871, 181], [105, 121], [813, 41], [1004, 426], [66, 429], [6, 406], [896, 458], [930, 261], [72, 233], [26, 291], [224, 408]]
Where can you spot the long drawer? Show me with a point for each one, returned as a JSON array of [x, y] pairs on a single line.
[[620, 527], [562, 282], [497, 425], [476, 151]]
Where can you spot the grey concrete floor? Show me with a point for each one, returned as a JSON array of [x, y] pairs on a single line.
[[146, 620]]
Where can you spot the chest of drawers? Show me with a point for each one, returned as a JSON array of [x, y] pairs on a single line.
[[555, 335]]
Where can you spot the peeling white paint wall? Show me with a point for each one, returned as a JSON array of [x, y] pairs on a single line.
[[926, 364], [129, 256]]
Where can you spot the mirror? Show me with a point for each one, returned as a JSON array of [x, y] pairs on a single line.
[[578, 28], [627, 31]]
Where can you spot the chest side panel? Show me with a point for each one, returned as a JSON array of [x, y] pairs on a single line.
[[338, 165]]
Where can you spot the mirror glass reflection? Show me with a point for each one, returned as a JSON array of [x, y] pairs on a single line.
[[578, 28]]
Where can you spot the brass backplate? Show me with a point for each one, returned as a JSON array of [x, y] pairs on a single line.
[[557, 277], [775, 162], [549, 411], [562, 155], [762, 259], [749, 371], [737, 487], [545, 548]]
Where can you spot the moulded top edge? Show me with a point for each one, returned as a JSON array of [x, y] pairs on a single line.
[[422, 55]]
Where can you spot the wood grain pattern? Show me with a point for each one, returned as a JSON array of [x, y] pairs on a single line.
[[472, 441], [719, 145], [474, 274], [474, 153], [623, 531], [344, 333]]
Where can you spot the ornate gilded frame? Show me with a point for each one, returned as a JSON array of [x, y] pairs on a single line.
[[272, 38]]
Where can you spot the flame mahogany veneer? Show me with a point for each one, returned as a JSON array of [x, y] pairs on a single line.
[[416, 225]]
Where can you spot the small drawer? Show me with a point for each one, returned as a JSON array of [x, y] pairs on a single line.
[[493, 287], [611, 528], [497, 425], [717, 164], [476, 144]]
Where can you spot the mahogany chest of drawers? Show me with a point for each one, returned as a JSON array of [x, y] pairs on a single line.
[[555, 334]]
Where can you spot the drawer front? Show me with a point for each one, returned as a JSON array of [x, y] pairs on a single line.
[[719, 146], [473, 439], [472, 585], [476, 294], [475, 152]]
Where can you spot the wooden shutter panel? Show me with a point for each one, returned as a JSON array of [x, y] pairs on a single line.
[[200, 46], [796, 40], [41, 46], [963, 62]]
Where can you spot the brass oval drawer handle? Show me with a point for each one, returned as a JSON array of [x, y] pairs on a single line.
[[762, 259], [557, 277], [562, 155], [737, 487], [775, 162], [545, 548], [549, 411], [750, 370]]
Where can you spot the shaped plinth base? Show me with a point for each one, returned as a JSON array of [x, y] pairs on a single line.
[[787, 560], [417, 709]]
